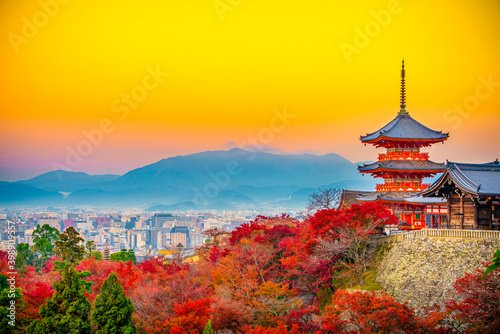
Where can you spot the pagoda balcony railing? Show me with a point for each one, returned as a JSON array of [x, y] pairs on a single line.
[[402, 186], [411, 156]]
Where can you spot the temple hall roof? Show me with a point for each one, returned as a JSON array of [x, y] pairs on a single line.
[[348, 197], [389, 196], [426, 200], [400, 196], [404, 127], [477, 179]]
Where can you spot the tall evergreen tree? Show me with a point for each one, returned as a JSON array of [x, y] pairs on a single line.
[[125, 256], [208, 328], [44, 239], [69, 246], [25, 257], [13, 324], [112, 312], [68, 309], [131, 256], [90, 246]]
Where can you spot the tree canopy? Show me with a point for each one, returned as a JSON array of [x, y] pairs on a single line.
[[70, 247], [112, 312], [44, 240], [68, 309], [124, 255], [273, 275]]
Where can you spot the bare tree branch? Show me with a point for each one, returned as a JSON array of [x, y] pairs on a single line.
[[324, 198], [216, 235], [355, 246]]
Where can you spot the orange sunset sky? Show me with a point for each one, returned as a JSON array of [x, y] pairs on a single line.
[[68, 67]]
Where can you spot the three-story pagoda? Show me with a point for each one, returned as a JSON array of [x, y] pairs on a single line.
[[403, 165]]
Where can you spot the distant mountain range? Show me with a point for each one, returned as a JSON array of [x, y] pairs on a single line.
[[64, 181], [209, 180]]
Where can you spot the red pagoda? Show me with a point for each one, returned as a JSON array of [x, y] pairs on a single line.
[[403, 166]]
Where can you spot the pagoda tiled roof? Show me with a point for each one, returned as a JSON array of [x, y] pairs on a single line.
[[405, 127], [477, 179], [422, 165]]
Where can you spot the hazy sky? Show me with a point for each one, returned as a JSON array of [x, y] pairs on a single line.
[[146, 80]]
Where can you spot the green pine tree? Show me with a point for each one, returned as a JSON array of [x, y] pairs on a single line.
[[68, 309], [131, 256], [69, 246], [44, 239], [13, 324], [25, 257], [124, 256], [208, 328], [97, 255], [91, 247], [112, 312]]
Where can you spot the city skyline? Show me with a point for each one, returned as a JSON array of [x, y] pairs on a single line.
[[129, 84]]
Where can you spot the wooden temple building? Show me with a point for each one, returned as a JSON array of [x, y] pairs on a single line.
[[472, 193], [402, 167]]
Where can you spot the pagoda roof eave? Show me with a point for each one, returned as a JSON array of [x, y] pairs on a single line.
[[425, 166], [379, 170], [381, 141], [405, 128]]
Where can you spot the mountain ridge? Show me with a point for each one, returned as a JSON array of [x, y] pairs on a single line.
[[235, 177]]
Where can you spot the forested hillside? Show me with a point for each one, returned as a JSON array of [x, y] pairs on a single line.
[[275, 275]]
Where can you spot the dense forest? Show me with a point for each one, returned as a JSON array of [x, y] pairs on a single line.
[[275, 275]]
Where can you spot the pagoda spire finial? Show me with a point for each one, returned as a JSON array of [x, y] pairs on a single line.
[[402, 110]]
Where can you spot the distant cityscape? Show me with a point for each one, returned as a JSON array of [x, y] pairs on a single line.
[[145, 233]]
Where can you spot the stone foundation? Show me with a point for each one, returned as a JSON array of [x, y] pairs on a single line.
[[422, 271]]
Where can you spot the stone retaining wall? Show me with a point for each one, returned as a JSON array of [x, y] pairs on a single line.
[[423, 271]]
